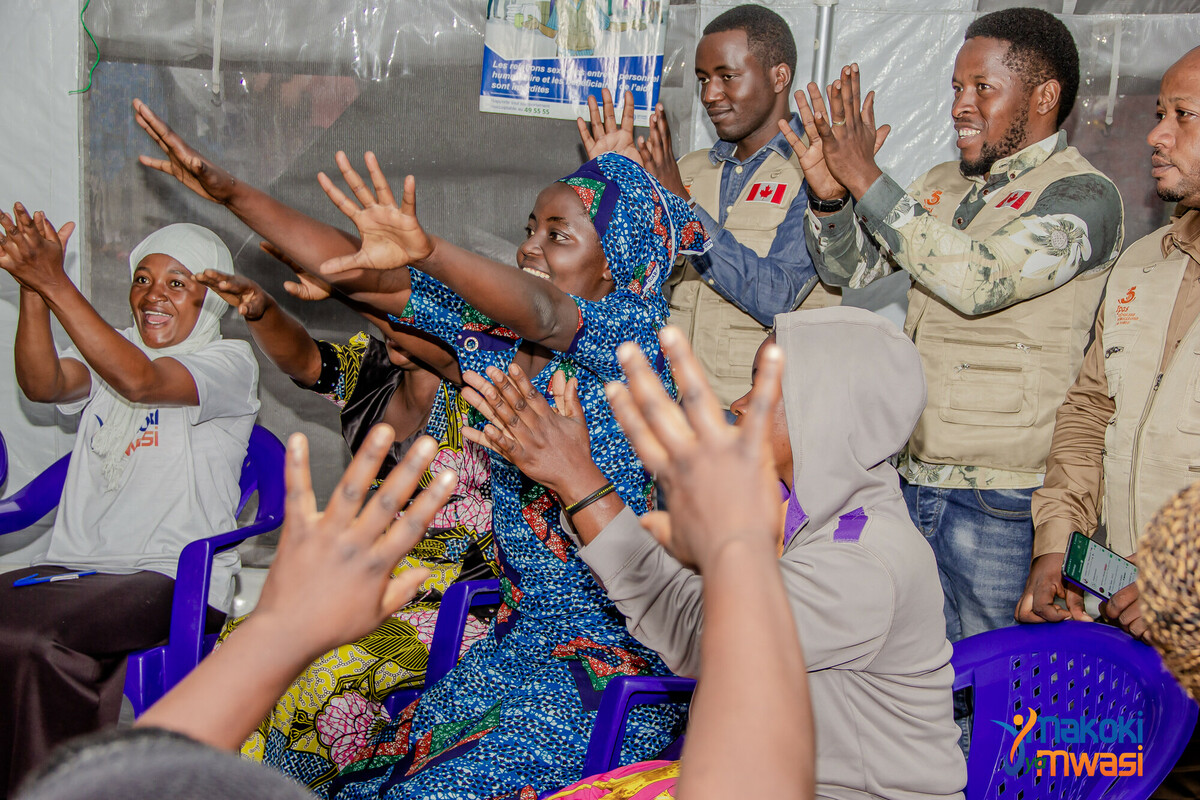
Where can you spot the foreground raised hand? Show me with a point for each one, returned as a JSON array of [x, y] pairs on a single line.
[[391, 235], [717, 478], [330, 583], [605, 134]]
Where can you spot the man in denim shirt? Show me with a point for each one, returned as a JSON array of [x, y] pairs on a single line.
[[749, 192]]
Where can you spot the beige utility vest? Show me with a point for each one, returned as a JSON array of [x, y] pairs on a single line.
[[724, 337], [1152, 444], [996, 380]]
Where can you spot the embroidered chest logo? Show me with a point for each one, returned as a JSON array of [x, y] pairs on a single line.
[[767, 193], [1014, 200], [932, 200], [1124, 313]]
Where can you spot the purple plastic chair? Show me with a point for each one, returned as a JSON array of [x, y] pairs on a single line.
[[456, 603], [1069, 670], [3, 460], [621, 696], [151, 673]]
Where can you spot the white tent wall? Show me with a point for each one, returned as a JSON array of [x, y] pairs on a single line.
[[39, 165], [272, 89]]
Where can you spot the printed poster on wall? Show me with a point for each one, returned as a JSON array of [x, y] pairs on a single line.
[[542, 58]]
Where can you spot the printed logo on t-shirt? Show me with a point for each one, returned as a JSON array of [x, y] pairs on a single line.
[[147, 435], [767, 193]]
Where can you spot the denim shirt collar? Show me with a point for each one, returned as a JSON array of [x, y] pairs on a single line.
[[724, 151]]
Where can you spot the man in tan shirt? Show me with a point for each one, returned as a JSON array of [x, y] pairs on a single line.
[[1127, 436]]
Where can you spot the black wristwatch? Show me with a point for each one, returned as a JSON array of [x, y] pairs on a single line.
[[828, 206]]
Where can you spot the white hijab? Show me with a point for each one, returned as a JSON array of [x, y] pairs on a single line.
[[197, 249]]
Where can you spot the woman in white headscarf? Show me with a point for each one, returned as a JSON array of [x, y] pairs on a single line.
[[167, 409]]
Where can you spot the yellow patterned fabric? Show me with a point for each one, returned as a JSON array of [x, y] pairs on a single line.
[[336, 704]]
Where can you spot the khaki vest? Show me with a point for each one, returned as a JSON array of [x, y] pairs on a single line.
[[724, 337], [996, 380], [1152, 444]]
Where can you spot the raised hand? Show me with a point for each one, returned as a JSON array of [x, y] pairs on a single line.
[[718, 479], [548, 443], [331, 579], [605, 135], [658, 155], [239, 291], [183, 162], [391, 235], [848, 136], [306, 286], [31, 250]]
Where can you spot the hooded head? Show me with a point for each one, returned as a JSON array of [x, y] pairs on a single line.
[[853, 388], [642, 226]]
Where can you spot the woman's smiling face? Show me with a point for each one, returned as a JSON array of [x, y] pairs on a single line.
[[562, 246], [165, 299]]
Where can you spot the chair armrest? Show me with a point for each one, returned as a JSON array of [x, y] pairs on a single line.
[[190, 600], [456, 603], [35, 499], [622, 694]]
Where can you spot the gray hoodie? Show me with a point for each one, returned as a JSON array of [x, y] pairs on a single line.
[[863, 585]]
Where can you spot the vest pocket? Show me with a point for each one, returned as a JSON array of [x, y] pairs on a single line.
[[1117, 347], [737, 346], [1189, 415], [990, 384]]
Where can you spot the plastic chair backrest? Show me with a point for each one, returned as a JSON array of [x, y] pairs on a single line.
[[1087, 673], [3, 460]]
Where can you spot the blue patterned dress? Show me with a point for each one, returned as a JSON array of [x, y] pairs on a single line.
[[513, 719]]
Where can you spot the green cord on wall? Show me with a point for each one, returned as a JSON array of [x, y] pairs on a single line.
[[95, 63]]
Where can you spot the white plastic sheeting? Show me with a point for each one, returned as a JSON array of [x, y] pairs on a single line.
[[39, 165], [298, 81]]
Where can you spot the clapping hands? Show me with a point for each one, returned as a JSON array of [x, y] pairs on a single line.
[[842, 141]]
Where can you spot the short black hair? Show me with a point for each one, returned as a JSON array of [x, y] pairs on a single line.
[[1040, 48], [767, 34]]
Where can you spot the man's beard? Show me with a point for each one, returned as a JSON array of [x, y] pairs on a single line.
[[1186, 191], [989, 154]]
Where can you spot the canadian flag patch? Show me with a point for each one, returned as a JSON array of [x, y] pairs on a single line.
[[1014, 200], [767, 193]]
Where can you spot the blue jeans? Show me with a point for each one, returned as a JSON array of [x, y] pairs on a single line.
[[982, 539]]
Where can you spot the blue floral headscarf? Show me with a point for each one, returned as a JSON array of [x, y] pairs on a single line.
[[642, 226]]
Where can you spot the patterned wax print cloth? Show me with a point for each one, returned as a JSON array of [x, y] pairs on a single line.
[[513, 719], [335, 706]]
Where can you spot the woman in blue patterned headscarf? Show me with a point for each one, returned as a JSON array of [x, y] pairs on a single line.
[[513, 719]]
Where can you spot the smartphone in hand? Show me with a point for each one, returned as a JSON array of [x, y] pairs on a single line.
[[1096, 569]]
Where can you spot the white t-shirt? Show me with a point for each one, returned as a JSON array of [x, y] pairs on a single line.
[[180, 481]]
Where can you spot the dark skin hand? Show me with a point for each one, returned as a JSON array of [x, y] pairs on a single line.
[[1124, 609], [841, 156], [658, 155], [606, 135], [549, 444], [1044, 584]]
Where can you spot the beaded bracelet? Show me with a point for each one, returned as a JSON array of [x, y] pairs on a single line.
[[575, 508]]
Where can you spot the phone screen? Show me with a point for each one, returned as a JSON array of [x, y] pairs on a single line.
[[1096, 568]]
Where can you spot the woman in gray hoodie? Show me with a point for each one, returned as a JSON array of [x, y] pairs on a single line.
[[862, 583]]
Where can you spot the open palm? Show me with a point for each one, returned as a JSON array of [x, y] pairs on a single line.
[[392, 237]]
